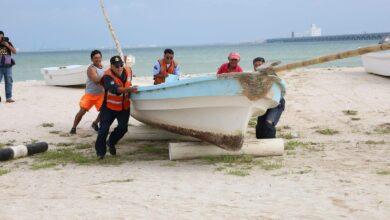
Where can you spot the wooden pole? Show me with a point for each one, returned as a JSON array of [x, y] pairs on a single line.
[[257, 148], [332, 57], [112, 31], [271, 68]]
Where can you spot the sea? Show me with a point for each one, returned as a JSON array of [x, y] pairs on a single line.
[[192, 59]]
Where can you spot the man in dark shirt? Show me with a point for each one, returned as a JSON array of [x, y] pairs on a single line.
[[6, 63], [266, 123], [116, 105]]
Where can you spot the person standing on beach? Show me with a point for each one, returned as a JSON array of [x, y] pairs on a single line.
[[116, 105], [266, 124], [94, 93], [6, 63], [165, 66], [232, 65]]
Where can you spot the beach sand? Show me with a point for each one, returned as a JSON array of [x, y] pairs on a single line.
[[321, 176]]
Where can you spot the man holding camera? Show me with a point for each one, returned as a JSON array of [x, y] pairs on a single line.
[[6, 63]]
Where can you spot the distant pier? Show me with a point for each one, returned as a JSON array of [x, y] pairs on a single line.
[[368, 36]]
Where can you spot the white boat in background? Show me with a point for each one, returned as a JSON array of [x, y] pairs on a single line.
[[72, 75], [377, 63]]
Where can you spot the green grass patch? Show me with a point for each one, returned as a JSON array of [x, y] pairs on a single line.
[[374, 142], [119, 181], [169, 164], [154, 150], [383, 128], [54, 132], [292, 145], [287, 136], [229, 159], [327, 131], [252, 122], [43, 165], [350, 112], [81, 146], [383, 172], [64, 156], [64, 144], [355, 119], [269, 164], [47, 125], [3, 171], [238, 172], [8, 143]]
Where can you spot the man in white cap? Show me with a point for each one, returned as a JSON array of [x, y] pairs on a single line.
[[232, 66]]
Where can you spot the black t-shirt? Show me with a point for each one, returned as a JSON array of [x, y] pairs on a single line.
[[4, 50]]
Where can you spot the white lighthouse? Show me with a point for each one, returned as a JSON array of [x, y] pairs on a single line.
[[315, 31]]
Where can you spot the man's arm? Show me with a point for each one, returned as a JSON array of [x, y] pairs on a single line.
[[110, 86], [157, 69], [177, 69], [92, 75], [10, 47]]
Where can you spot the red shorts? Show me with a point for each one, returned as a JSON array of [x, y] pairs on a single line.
[[90, 100]]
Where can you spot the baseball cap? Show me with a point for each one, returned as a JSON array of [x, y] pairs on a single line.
[[234, 55], [116, 60]]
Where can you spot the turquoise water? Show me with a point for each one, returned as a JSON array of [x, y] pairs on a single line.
[[192, 59]]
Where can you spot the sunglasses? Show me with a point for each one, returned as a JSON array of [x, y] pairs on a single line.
[[118, 66], [169, 58]]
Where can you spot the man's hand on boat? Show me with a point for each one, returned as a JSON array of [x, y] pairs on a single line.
[[133, 89]]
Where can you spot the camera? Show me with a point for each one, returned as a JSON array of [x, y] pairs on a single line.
[[6, 39]]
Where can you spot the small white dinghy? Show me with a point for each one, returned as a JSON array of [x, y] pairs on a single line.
[[377, 63], [72, 75]]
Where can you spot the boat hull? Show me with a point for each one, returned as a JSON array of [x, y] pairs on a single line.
[[377, 63], [213, 109]]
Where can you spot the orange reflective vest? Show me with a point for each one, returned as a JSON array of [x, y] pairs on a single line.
[[118, 102], [164, 70]]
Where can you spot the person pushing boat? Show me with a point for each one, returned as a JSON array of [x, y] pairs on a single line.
[[232, 65], [266, 124], [116, 105], [94, 93], [165, 66]]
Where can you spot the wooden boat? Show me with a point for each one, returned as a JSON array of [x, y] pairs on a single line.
[[215, 109], [377, 63], [72, 75]]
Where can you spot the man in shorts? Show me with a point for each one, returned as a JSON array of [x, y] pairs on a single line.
[[94, 92]]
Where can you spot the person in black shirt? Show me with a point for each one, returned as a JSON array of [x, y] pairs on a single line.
[[116, 105], [266, 124], [6, 63]]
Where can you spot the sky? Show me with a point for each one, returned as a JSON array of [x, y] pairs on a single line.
[[79, 24]]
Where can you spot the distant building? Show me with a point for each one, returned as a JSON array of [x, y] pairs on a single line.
[[315, 31]]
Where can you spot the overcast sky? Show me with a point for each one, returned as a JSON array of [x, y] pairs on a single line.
[[44, 24]]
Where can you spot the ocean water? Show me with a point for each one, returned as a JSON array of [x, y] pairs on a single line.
[[192, 59]]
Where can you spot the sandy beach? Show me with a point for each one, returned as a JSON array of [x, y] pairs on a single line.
[[336, 164]]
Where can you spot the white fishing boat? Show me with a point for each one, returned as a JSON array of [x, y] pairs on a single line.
[[215, 109], [72, 75], [377, 63]]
